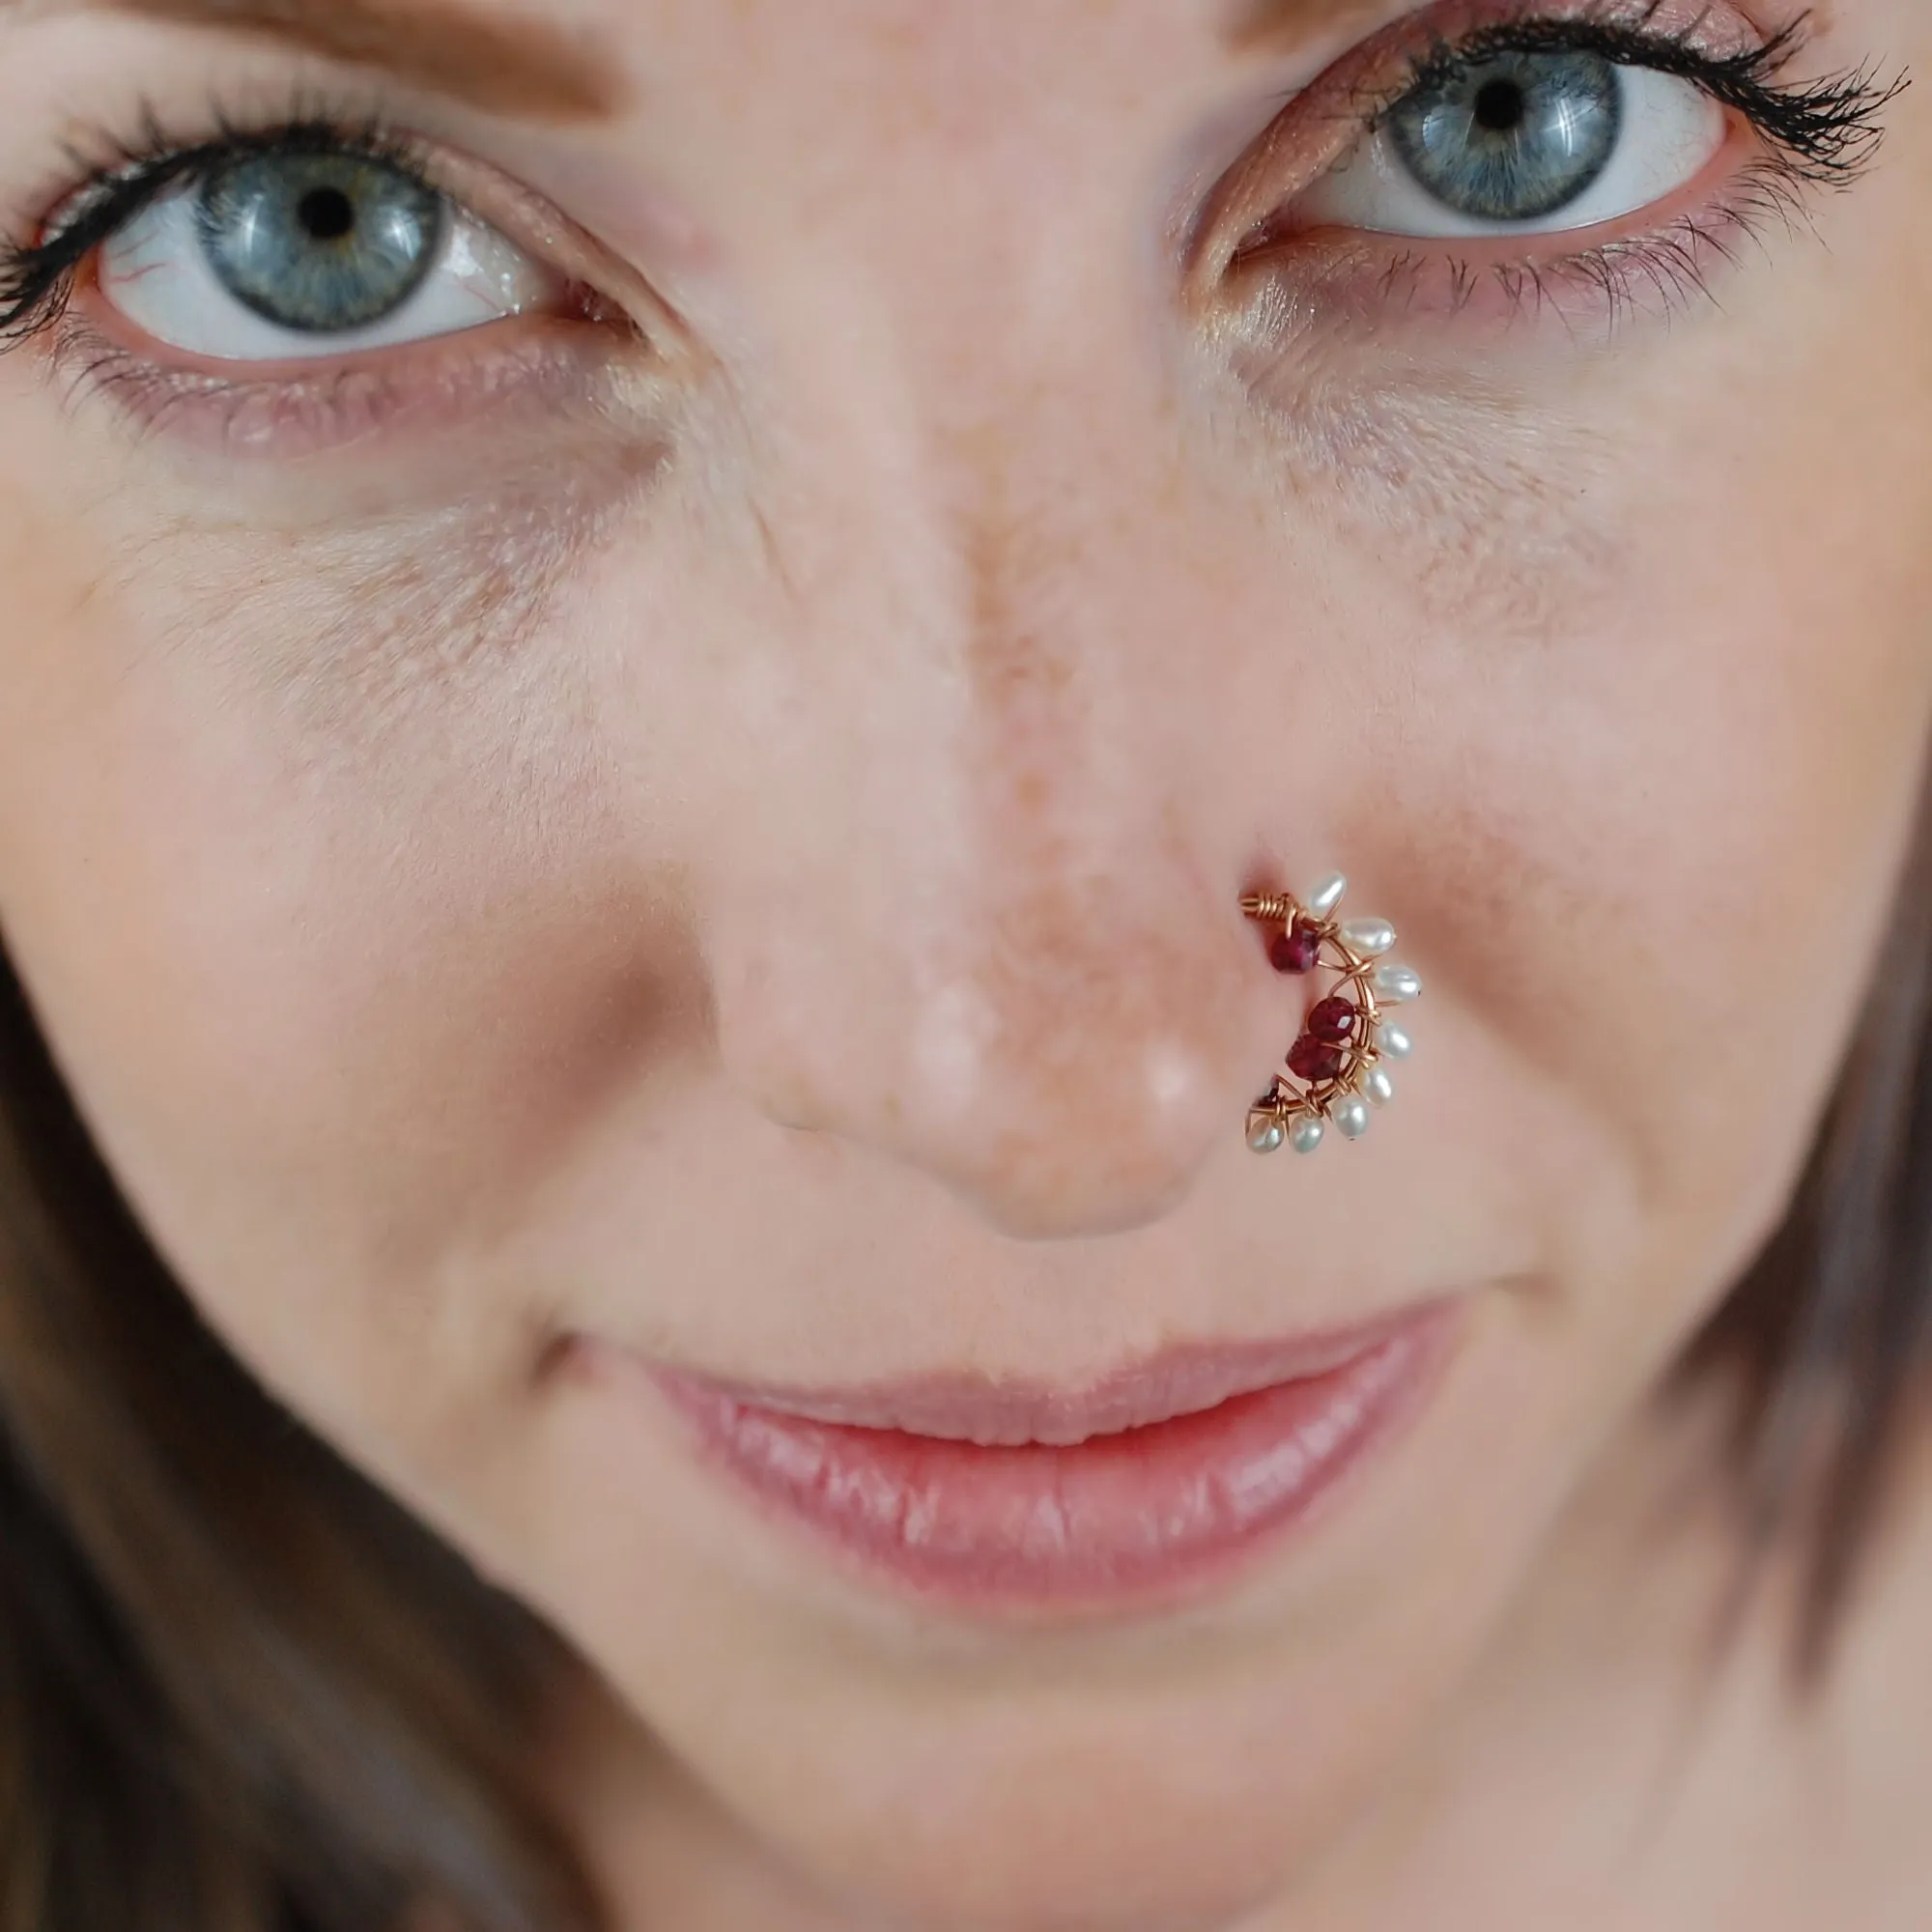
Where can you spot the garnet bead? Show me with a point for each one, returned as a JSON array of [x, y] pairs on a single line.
[[1299, 950], [1315, 1061], [1334, 1021]]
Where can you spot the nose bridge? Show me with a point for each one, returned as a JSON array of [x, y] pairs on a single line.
[[1011, 951]]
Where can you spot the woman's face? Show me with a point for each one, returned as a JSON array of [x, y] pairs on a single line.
[[681, 799]]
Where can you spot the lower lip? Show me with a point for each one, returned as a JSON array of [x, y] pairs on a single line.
[[1151, 1512]]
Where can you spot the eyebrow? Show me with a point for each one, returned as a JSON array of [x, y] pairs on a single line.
[[508, 63]]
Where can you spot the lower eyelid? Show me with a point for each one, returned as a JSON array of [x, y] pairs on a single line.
[[1737, 153], [489, 386], [1359, 285]]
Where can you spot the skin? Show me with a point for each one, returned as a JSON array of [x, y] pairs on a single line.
[[746, 866]]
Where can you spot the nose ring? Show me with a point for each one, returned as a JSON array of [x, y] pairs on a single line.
[[1336, 1067]]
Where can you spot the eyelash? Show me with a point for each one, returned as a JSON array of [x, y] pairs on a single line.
[[1821, 133], [1825, 130], [124, 175]]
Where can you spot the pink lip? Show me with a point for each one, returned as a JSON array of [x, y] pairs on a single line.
[[1159, 1478]]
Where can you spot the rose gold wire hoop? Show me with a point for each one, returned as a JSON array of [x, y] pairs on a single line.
[[1335, 1073]]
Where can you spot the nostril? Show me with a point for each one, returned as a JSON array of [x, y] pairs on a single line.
[[1067, 1064]]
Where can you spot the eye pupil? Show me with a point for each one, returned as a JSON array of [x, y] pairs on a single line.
[[1499, 107], [328, 214]]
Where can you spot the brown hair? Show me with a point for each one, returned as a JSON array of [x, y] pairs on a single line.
[[239, 1689]]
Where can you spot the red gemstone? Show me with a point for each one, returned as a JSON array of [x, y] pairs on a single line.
[[1315, 1061], [1297, 950], [1335, 1021]]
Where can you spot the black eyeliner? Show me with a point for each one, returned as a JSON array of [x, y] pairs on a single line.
[[1829, 130], [1823, 133], [37, 279]]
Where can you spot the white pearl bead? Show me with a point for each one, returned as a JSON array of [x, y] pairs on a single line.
[[1327, 896], [1398, 982], [1308, 1136], [1268, 1137], [1352, 1119], [1394, 1043], [1371, 937], [1380, 1087]]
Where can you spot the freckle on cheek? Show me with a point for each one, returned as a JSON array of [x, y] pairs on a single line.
[[1504, 536], [350, 634]]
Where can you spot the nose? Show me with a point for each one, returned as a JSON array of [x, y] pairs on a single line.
[[978, 913]]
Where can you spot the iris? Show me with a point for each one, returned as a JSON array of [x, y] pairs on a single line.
[[1517, 138], [320, 241]]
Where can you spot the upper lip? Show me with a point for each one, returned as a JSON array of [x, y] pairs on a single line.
[[996, 1411]]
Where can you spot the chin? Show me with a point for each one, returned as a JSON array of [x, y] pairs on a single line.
[[1187, 1808]]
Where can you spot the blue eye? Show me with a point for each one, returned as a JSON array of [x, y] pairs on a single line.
[[1514, 138], [319, 241], [298, 253], [1518, 143]]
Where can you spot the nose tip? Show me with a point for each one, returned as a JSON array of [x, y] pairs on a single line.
[[1075, 1086], [1090, 1124]]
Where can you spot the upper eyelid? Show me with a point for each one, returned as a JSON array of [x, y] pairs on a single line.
[[161, 154], [1831, 127], [1624, 45], [127, 181]]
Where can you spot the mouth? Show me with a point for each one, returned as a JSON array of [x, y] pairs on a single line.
[[1165, 1478]]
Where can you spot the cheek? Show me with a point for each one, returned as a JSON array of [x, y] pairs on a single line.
[[1634, 688], [319, 889], [1656, 846]]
